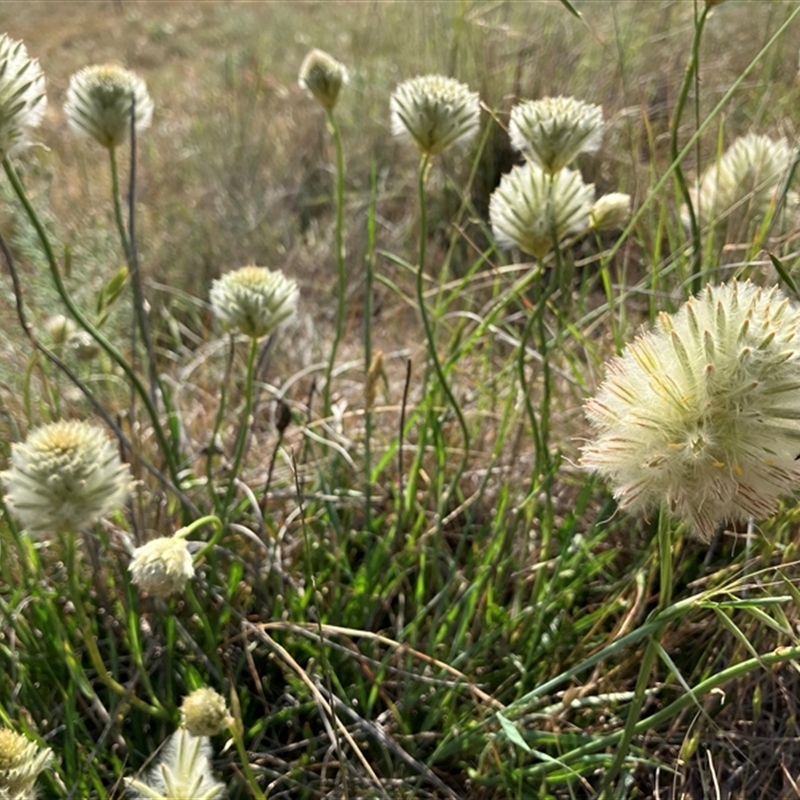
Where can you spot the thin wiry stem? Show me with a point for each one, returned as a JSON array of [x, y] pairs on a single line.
[[688, 78], [340, 265]]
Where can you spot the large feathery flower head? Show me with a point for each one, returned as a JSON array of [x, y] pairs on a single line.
[[21, 761], [65, 475], [205, 713], [322, 76], [183, 773], [435, 113], [702, 414], [253, 300], [534, 210], [162, 566], [22, 96], [99, 100], [742, 186], [554, 130]]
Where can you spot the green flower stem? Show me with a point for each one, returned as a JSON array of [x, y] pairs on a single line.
[[188, 530], [89, 641], [140, 315], [423, 235], [241, 437], [691, 71], [340, 266], [244, 759], [115, 355], [369, 268]]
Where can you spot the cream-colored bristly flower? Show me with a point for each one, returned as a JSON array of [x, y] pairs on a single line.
[[22, 96], [183, 773], [322, 76], [554, 130], [64, 476], [435, 113], [99, 100], [702, 415], [253, 300], [21, 761], [205, 713], [741, 188], [611, 211], [533, 210], [162, 566]]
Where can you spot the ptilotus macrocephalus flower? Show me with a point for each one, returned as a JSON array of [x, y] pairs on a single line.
[[162, 566], [534, 210], [21, 761], [253, 300], [322, 76], [435, 113], [612, 210], [205, 713], [22, 96], [554, 130], [742, 187], [99, 100], [64, 476], [701, 416], [183, 772]]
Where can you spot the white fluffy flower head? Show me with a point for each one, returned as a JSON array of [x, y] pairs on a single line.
[[611, 211], [322, 76], [554, 130], [21, 761], [702, 414], [533, 210], [22, 96], [253, 300], [742, 186], [435, 113], [64, 476], [205, 713], [183, 772], [99, 101], [162, 566]]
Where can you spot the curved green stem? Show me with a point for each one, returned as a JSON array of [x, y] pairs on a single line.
[[423, 235], [241, 437], [89, 640], [188, 530], [340, 266], [78, 316], [675, 155]]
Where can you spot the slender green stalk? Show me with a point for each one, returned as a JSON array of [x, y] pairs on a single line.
[[89, 639], [75, 312], [139, 311], [369, 268], [340, 265], [244, 426], [688, 78], [423, 236]]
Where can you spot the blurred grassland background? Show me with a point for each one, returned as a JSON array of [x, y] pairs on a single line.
[[236, 169]]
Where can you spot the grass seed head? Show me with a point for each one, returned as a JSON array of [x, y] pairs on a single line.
[[322, 76], [21, 761], [554, 130], [534, 210], [22, 96], [162, 566], [99, 101], [435, 113], [205, 713], [253, 300], [702, 415], [184, 771], [64, 476]]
